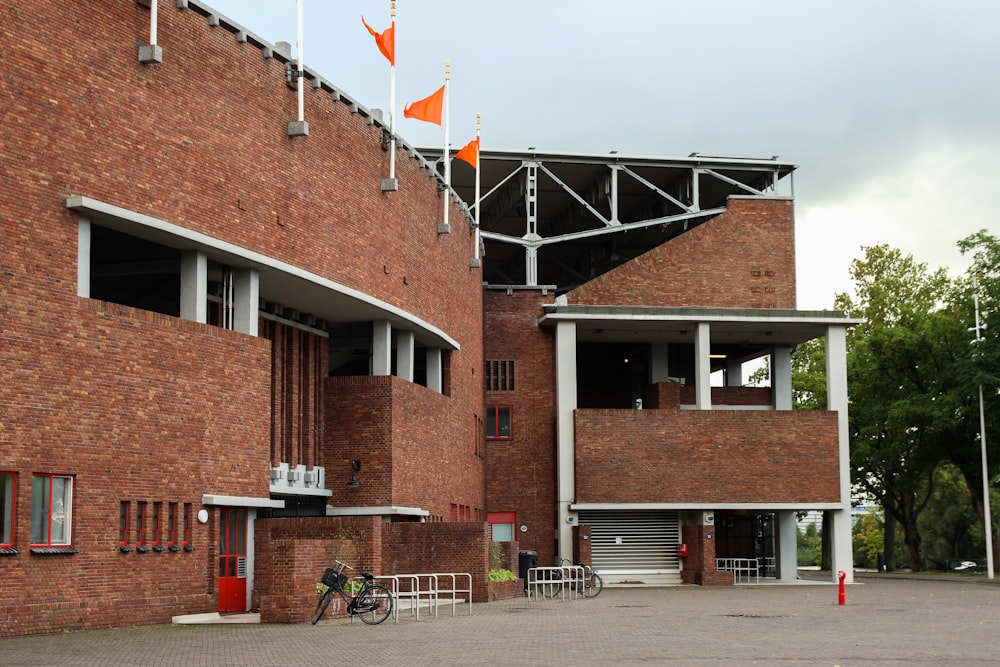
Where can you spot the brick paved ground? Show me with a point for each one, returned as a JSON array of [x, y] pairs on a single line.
[[887, 621]]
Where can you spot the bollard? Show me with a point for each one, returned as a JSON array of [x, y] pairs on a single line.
[[843, 596]]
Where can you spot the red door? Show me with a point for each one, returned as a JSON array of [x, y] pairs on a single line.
[[232, 560]]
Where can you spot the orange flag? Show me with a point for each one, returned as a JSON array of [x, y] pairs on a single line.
[[427, 109], [470, 153], [386, 41]]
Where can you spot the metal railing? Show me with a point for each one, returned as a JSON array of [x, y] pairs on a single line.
[[742, 568], [427, 589], [565, 582]]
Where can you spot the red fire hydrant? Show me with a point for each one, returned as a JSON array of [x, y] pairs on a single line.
[[843, 595]]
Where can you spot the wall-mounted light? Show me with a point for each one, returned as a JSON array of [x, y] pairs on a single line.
[[353, 483]]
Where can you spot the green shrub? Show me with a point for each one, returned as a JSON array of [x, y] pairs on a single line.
[[502, 575]]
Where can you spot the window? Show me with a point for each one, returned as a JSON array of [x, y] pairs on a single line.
[[172, 527], [501, 526], [477, 434], [497, 422], [155, 526], [187, 527], [51, 510], [7, 484], [140, 527], [123, 512], [499, 375]]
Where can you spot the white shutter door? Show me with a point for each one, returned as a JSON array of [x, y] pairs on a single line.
[[634, 541]]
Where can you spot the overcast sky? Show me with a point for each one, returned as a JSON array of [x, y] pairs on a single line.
[[890, 108]]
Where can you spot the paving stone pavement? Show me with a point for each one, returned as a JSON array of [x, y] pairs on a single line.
[[887, 620]]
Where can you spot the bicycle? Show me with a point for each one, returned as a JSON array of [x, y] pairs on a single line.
[[371, 603], [581, 578]]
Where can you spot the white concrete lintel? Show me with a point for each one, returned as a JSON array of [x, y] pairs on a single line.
[[382, 510], [240, 501]]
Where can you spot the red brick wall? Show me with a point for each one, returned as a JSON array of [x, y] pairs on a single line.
[[139, 406], [714, 456], [742, 258], [135, 406], [416, 447], [521, 471]]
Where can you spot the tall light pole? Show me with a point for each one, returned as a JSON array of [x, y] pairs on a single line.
[[988, 518]]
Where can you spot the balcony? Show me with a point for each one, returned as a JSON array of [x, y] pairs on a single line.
[[706, 456]]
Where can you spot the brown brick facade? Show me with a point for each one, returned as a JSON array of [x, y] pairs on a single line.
[[708, 456], [742, 258]]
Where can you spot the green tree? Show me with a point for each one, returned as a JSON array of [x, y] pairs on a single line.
[[896, 381]]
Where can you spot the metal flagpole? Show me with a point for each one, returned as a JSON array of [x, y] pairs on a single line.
[[300, 66], [988, 522], [479, 165], [447, 162], [392, 98]]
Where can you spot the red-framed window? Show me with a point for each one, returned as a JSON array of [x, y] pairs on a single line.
[[187, 525], [501, 525], [172, 525], [140, 527], [124, 510], [498, 422], [155, 527], [51, 510], [8, 496]]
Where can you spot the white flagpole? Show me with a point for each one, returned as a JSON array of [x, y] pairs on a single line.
[[479, 165], [300, 65], [392, 98], [447, 162]]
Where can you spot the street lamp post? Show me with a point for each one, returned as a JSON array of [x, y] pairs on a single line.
[[987, 516]]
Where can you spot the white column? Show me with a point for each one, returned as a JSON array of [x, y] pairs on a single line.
[[781, 377], [703, 367], [381, 347], [83, 257], [246, 301], [435, 369], [405, 342], [565, 436], [836, 392], [194, 286], [788, 545]]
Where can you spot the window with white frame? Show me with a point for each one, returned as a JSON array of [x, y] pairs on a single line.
[[51, 510], [7, 495]]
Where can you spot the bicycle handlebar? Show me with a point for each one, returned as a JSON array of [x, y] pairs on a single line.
[[343, 564]]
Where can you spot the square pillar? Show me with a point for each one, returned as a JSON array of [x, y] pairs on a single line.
[[246, 301], [781, 377], [565, 436], [194, 286], [435, 369], [381, 347], [703, 367], [405, 342], [83, 257]]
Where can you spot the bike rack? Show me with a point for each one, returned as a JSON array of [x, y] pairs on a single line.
[[426, 587], [569, 577]]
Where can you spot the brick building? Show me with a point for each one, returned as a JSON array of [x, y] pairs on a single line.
[[233, 349]]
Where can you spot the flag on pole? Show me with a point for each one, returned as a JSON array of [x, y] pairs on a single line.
[[427, 109], [470, 153], [386, 40]]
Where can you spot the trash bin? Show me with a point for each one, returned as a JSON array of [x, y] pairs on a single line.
[[525, 561], [881, 562]]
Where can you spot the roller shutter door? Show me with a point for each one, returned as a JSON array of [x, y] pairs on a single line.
[[634, 541]]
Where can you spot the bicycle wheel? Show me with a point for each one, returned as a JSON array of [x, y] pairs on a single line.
[[324, 602], [374, 604], [593, 586]]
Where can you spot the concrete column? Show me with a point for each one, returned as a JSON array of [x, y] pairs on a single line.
[[435, 369], [703, 367], [381, 347], [781, 377], [83, 257], [659, 366], [405, 341], [788, 545], [194, 286], [836, 393], [246, 301], [565, 436]]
